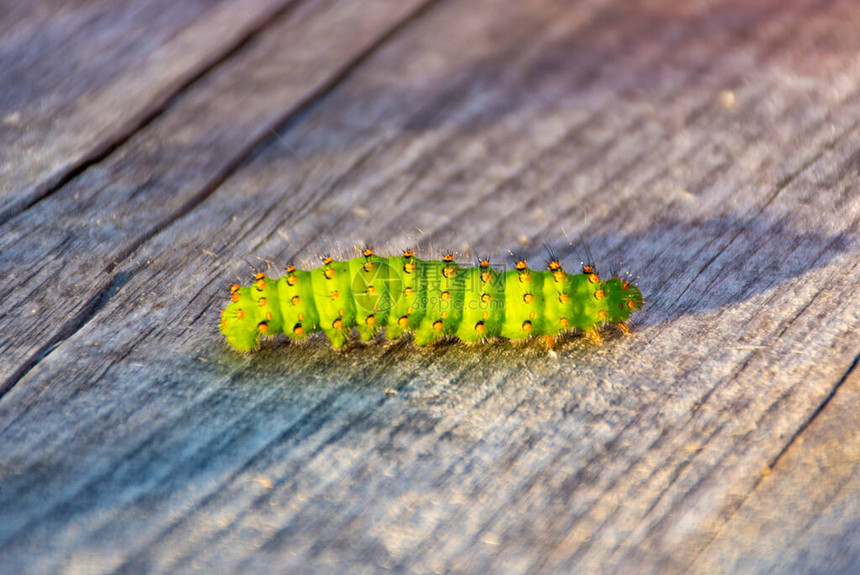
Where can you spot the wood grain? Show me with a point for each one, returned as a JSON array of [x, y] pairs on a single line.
[[80, 78], [711, 149], [803, 515], [67, 267]]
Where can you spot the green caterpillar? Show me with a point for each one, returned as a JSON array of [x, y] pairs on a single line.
[[433, 299]]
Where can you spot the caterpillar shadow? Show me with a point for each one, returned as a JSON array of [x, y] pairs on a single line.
[[700, 265]]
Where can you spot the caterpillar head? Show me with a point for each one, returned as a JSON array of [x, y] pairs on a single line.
[[239, 323], [622, 298], [251, 314]]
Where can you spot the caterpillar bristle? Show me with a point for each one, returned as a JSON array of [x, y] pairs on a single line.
[[552, 257]]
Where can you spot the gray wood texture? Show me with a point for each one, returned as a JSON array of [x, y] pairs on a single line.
[[153, 153]]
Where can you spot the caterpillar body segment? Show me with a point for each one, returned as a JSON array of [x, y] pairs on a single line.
[[432, 299]]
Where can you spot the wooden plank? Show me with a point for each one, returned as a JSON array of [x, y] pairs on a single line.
[[141, 444], [804, 516], [81, 78], [115, 206]]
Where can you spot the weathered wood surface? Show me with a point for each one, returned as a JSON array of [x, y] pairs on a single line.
[[710, 148], [80, 78]]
